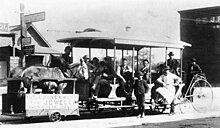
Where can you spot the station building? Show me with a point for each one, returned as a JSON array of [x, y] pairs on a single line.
[[201, 28]]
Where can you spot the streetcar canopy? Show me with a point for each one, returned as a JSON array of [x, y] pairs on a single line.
[[126, 40]]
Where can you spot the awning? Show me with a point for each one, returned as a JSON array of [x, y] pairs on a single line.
[[124, 40], [7, 34]]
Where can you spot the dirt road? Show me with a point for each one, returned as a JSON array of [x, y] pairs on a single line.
[[190, 118]]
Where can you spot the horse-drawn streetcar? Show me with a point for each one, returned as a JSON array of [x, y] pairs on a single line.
[[114, 43], [46, 91]]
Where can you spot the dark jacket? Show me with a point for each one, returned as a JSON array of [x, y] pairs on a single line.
[[173, 64], [140, 87], [67, 58]]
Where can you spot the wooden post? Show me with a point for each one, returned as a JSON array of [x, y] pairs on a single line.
[[115, 58], [137, 61], [74, 86], [133, 62], [166, 56], [150, 65], [23, 31], [181, 63], [106, 52], [122, 53], [13, 45], [71, 45], [90, 53]]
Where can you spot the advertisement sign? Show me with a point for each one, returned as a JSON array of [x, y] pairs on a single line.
[[52, 101], [14, 62], [29, 49], [26, 41]]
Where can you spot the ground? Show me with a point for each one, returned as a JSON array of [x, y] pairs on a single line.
[[188, 119]]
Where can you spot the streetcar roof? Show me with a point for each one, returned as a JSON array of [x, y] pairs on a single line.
[[125, 40]]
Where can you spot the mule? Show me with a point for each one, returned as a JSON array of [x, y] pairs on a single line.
[[41, 77], [52, 75]]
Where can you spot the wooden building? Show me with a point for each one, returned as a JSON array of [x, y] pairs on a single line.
[[42, 47], [6, 39], [201, 28], [10, 49]]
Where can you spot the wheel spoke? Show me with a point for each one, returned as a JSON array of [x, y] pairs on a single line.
[[202, 95]]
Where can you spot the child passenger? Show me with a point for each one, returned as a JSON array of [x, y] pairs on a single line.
[[140, 88]]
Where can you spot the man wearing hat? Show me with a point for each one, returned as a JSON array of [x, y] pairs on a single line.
[[167, 89], [193, 69], [66, 60], [66, 55], [173, 64], [140, 88]]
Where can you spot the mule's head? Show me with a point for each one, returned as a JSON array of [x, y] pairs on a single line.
[[16, 72]]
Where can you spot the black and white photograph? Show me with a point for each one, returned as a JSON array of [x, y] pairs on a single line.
[[110, 63]]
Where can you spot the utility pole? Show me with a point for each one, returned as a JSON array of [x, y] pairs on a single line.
[[23, 32]]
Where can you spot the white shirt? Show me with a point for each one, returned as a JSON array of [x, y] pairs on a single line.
[[169, 79]]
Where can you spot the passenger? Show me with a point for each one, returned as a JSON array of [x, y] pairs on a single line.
[[145, 70], [65, 60], [66, 55], [81, 70], [93, 70], [86, 65], [193, 69], [173, 64], [140, 88], [124, 71], [167, 91], [108, 74], [95, 64]]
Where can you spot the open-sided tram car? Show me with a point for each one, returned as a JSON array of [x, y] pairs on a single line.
[[120, 41]]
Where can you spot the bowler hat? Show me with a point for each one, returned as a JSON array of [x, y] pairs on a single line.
[[166, 68], [86, 57], [193, 59], [67, 48], [171, 54]]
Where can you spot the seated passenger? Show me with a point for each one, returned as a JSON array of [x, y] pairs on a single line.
[[106, 74], [124, 71], [145, 70], [167, 90]]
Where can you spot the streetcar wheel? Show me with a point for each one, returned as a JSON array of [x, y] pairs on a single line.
[[96, 110], [202, 95], [127, 111], [158, 108], [55, 117]]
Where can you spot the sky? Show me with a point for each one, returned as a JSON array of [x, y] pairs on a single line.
[[64, 17]]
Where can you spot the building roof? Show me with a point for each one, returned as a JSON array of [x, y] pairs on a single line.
[[41, 44], [7, 34], [32, 30], [211, 11], [45, 50]]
